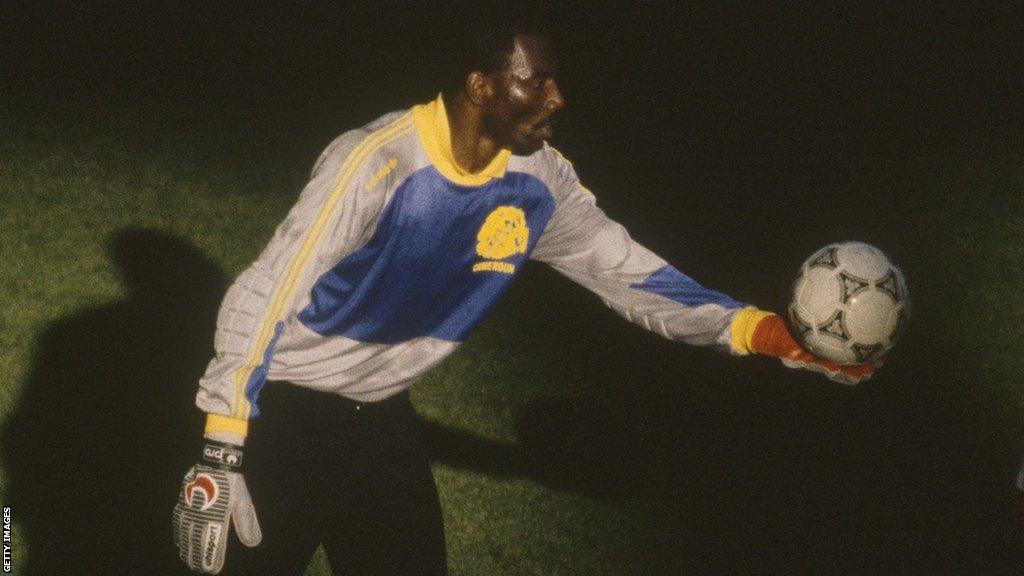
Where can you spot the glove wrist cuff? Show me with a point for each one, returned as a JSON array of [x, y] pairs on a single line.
[[221, 455], [216, 423], [744, 327]]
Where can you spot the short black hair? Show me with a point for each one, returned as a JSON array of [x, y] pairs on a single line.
[[485, 46]]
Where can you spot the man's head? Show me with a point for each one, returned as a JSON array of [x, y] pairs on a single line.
[[510, 80]]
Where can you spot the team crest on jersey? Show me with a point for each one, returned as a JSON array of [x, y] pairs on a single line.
[[205, 485], [504, 234]]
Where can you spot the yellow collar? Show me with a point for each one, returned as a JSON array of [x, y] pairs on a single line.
[[432, 126]]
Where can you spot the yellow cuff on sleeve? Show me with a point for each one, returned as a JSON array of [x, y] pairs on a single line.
[[744, 323], [218, 423]]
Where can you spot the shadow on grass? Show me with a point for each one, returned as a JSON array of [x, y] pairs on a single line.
[[95, 450], [745, 467], [742, 466]]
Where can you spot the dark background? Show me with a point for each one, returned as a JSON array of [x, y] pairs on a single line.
[[732, 141]]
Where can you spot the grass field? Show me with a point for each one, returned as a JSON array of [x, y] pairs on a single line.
[[565, 441]]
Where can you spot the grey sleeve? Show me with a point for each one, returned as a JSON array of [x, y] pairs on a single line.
[[330, 218], [582, 243]]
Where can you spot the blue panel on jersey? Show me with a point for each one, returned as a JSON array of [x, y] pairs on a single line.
[[423, 273], [674, 285]]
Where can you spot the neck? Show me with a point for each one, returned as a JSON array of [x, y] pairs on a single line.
[[471, 147]]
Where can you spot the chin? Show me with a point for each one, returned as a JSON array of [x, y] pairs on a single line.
[[526, 148]]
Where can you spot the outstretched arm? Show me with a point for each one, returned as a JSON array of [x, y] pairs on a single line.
[[585, 245]]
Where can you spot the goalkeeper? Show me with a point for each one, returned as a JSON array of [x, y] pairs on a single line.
[[408, 232]]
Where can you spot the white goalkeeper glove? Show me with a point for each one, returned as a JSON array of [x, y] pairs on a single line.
[[213, 494]]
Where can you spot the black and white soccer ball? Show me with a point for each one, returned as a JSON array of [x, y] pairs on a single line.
[[850, 303]]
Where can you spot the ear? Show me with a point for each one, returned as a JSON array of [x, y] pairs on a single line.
[[479, 88]]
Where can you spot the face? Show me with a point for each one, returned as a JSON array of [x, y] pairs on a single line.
[[525, 98]]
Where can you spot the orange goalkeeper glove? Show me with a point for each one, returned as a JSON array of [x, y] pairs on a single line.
[[766, 333]]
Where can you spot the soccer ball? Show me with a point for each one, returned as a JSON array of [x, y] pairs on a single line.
[[850, 303]]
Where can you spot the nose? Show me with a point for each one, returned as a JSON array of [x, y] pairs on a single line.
[[555, 101]]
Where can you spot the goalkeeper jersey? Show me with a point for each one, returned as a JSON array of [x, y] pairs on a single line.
[[393, 253]]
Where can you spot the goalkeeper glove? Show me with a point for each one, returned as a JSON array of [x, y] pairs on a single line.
[[766, 333], [212, 494]]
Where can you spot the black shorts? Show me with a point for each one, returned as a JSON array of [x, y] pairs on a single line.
[[352, 476]]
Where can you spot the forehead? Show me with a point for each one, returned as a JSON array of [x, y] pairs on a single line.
[[532, 55]]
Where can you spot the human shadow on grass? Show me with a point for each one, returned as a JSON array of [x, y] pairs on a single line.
[[744, 466], [104, 429]]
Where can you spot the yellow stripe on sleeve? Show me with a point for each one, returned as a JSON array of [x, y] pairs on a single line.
[[285, 293]]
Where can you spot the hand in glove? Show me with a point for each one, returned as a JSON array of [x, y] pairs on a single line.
[[766, 333], [213, 494]]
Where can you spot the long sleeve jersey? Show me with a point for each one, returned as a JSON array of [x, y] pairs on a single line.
[[393, 253]]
